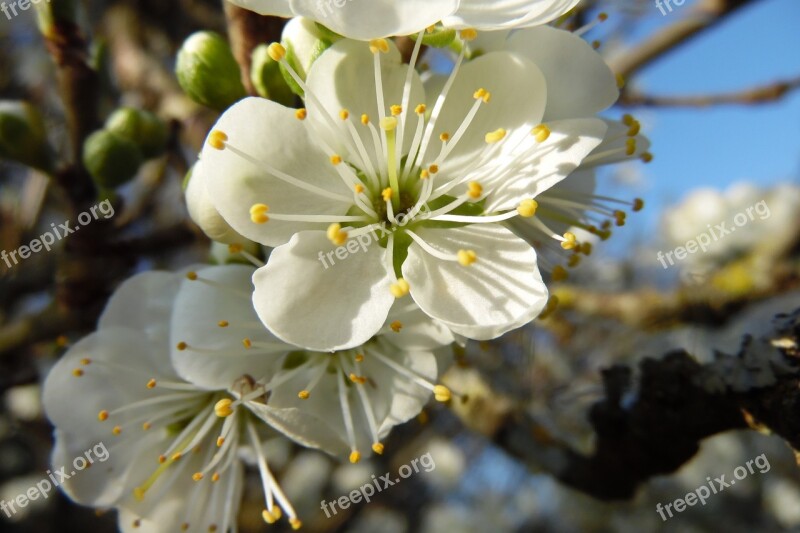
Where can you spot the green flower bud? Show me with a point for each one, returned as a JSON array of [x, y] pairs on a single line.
[[111, 160], [145, 129], [23, 135], [208, 72], [267, 77], [304, 43]]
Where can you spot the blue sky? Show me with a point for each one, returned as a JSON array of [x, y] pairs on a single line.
[[720, 145]]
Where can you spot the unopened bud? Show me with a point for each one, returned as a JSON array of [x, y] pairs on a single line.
[[145, 129], [110, 159], [208, 72], [23, 136]]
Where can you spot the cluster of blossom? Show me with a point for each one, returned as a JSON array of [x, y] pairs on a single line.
[[192, 372]]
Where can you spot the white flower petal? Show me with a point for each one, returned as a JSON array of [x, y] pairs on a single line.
[[579, 83], [318, 308], [277, 8], [418, 331], [499, 14], [369, 19], [272, 134], [342, 78], [216, 356], [518, 96], [304, 426], [545, 164], [203, 212], [500, 291]]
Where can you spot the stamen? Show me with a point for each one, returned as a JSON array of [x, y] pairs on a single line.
[[348, 419], [217, 139], [541, 133], [400, 288], [336, 235]]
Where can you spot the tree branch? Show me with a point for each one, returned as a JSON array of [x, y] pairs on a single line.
[[759, 95]]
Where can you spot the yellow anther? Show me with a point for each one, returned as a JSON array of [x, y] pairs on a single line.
[[220, 441], [620, 81], [570, 241], [633, 131], [217, 140], [386, 194], [336, 159], [444, 137], [336, 235], [301, 114], [247, 343], [276, 511], [102, 416], [357, 379], [258, 213], [468, 34], [62, 341], [359, 357], [527, 208], [117, 430], [181, 346], [474, 190], [146, 426], [602, 17], [646, 157], [86, 361], [212, 528], [396, 110], [138, 494], [430, 29], [162, 459], [295, 523], [197, 476], [77, 372], [355, 456], [378, 448], [191, 276], [223, 323], [344, 114], [303, 395], [396, 326], [268, 517], [215, 477], [495, 136], [466, 257], [223, 408], [424, 174], [442, 393], [235, 248], [552, 304], [365, 119], [479, 94], [541, 133], [359, 188], [487, 97], [638, 204], [185, 526], [420, 109], [378, 45], [151, 384], [586, 248], [388, 123], [630, 146], [574, 260], [276, 51], [433, 169], [400, 288], [596, 44]]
